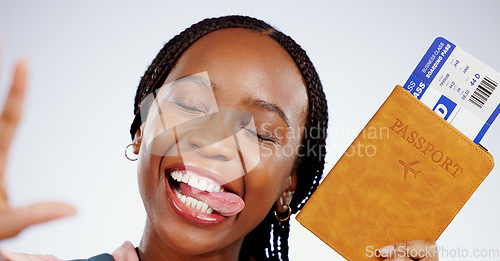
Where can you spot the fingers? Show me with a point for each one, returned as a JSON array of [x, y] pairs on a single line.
[[398, 258], [11, 115], [125, 252], [418, 249], [13, 221], [414, 249], [11, 256], [12, 110]]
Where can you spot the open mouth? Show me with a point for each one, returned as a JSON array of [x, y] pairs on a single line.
[[204, 194]]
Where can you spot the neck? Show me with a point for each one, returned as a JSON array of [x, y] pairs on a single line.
[[153, 248]]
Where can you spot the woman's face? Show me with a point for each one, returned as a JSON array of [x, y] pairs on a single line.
[[232, 115]]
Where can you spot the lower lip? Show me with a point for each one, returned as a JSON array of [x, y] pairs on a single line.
[[190, 213]]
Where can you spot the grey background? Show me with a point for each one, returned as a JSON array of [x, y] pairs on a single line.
[[86, 59]]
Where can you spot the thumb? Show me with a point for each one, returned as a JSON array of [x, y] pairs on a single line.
[[14, 220]]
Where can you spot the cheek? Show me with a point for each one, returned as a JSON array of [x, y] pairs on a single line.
[[144, 174], [264, 184], [149, 178], [261, 191]]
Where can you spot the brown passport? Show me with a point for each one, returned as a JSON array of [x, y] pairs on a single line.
[[405, 177]]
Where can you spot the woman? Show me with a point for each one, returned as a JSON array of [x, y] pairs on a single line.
[[229, 132]]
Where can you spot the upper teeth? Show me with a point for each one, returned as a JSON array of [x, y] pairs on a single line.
[[201, 184]]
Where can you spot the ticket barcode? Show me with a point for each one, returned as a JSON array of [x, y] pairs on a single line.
[[483, 92], [458, 87]]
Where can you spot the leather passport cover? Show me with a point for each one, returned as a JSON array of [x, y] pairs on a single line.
[[404, 177]]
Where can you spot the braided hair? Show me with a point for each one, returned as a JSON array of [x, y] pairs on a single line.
[[269, 240]]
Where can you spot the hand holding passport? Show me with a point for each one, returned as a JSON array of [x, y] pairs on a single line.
[[422, 172]]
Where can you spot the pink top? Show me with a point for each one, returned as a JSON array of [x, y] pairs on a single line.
[[126, 252]]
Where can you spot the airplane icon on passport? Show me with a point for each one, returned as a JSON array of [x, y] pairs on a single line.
[[408, 167]]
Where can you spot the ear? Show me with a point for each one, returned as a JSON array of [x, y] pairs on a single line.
[[283, 202], [137, 141]]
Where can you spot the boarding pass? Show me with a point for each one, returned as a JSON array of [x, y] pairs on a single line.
[[458, 87]]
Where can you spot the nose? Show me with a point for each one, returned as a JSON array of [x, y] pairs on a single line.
[[212, 137]]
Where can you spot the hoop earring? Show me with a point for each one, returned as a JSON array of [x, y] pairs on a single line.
[[126, 156], [283, 219]]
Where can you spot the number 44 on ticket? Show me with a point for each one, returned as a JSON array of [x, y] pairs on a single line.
[[458, 87]]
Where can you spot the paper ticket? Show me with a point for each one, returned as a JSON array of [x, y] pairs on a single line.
[[458, 87]]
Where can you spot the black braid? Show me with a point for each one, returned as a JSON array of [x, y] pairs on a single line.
[[310, 163]]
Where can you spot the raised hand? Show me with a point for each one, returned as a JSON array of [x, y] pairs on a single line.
[[14, 220]]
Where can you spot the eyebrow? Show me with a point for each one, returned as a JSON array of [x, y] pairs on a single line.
[[259, 103], [199, 81], [262, 104]]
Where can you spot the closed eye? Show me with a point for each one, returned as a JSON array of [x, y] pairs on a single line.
[[189, 106], [259, 136]]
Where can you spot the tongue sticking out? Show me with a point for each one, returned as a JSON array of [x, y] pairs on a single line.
[[225, 203]]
